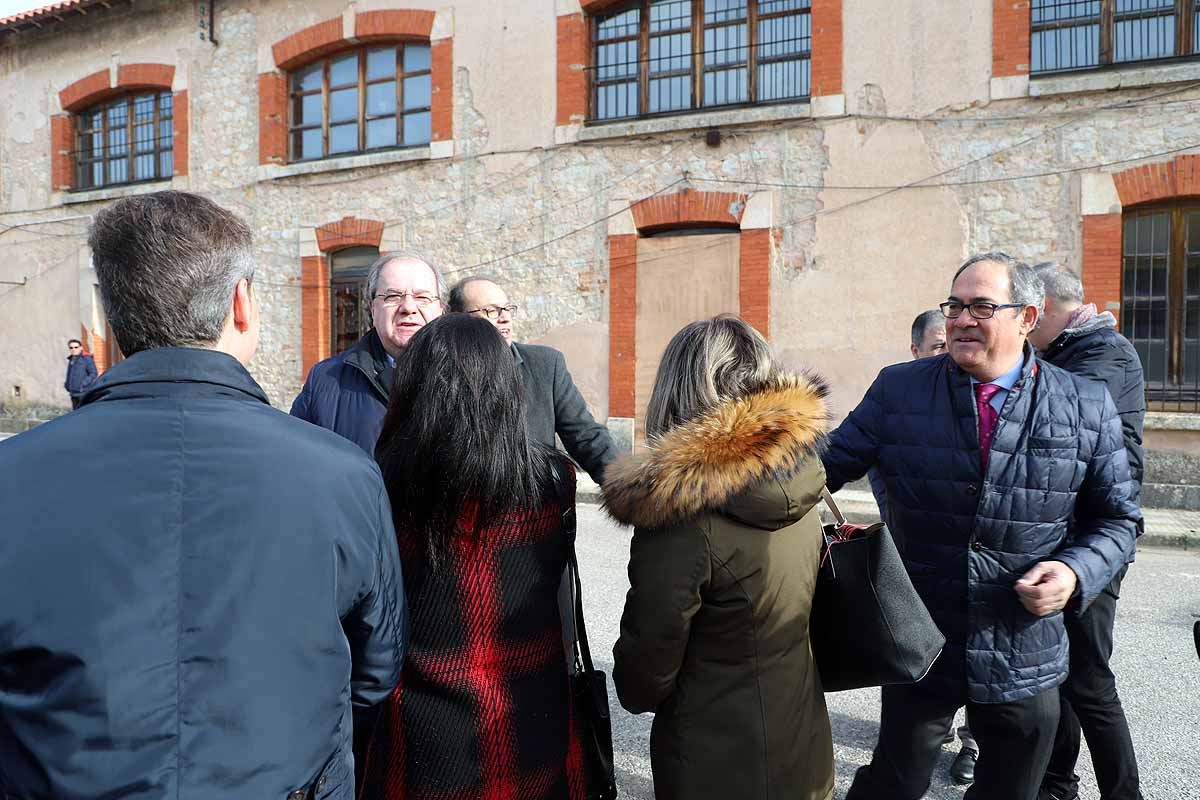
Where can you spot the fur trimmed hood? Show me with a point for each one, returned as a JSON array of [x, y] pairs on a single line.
[[700, 466]]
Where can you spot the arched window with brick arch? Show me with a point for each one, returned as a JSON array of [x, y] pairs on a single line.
[[683, 256], [1141, 259], [625, 59], [1160, 298], [133, 130], [368, 98], [334, 302], [384, 84]]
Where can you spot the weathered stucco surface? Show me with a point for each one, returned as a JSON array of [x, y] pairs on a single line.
[[850, 268]]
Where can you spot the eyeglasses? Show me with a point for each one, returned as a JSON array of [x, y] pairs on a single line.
[[953, 310], [492, 312], [394, 299]]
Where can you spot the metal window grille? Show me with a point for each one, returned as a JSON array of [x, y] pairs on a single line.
[[663, 56], [128, 140], [1070, 35], [1160, 303], [350, 308], [371, 98]]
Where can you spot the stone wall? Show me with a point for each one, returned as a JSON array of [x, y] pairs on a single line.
[[872, 210]]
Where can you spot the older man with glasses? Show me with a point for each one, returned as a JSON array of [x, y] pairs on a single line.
[[348, 393], [1008, 480], [553, 402]]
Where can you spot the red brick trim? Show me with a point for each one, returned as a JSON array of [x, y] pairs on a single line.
[[62, 144], [136, 76], [754, 278], [688, 208], [99, 353], [309, 44], [1165, 180], [1010, 38], [94, 88], [827, 34], [393, 24], [272, 118], [314, 311], [596, 6], [442, 97], [572, 57], [622, 325], [86, 91], [179, 111], [1101, 271], [349, 232]]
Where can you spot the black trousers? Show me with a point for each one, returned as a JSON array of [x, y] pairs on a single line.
[[75, 400], [1090, 704], [1014, 743]]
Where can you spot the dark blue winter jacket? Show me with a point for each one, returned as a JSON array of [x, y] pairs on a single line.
[[348, 393], [1056, 453], [198, 612], [81, 372]]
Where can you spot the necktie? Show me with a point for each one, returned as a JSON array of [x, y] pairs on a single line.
[[987, 419]]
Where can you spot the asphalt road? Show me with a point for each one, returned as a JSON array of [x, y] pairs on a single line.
[[1155, 662]]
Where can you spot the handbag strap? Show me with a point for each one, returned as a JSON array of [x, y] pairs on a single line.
[[583, 653], [833, 507]]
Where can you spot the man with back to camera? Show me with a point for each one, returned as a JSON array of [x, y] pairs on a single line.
[[348, 392], [233, 600], [989, 455], [1076, 337]]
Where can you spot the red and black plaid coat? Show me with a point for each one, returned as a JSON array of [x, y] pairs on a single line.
[[483, 710]]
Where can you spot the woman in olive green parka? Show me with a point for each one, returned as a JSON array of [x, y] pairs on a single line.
[[723, 563]]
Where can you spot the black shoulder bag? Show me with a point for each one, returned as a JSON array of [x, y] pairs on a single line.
[[589, 693], [868, 626]]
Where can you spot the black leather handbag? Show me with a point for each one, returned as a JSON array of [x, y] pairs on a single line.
[[589, 696], [869, 626]]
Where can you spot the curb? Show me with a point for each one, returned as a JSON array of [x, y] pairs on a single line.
[[1169, 541]]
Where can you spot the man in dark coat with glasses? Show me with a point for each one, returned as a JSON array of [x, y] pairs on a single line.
[[989, 456]]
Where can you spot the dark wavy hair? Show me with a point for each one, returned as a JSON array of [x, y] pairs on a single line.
[[454, 439]]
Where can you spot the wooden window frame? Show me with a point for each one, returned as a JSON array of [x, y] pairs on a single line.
[[1185, 44], [1186, 396], [360, 85], [698, 69], [86, 158]]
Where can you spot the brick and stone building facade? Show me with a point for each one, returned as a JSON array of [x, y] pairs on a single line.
[[832, 166]]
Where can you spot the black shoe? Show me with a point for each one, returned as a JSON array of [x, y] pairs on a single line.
[[949, 737], [1046, 794], [962, 771]]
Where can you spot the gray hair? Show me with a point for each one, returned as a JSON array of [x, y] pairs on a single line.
[[1061, 283], [168, 264], [707, 363], [385, 258], [1025, 285], [924, 321], [457, 301]]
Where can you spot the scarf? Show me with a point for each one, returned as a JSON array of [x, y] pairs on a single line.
[[1081, 316]]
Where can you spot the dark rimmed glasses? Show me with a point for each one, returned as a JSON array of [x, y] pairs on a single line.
[[953, 310], [492, 312]]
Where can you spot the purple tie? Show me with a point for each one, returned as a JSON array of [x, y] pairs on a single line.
[[987, 419]]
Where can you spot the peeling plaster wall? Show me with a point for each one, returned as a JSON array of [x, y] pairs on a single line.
[[851, 267]]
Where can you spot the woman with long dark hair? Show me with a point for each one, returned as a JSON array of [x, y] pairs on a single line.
[[483, 709]]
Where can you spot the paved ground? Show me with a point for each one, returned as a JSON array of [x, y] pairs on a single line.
[[1155, 662]]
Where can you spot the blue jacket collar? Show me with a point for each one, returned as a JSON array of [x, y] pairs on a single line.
[[188, 367]]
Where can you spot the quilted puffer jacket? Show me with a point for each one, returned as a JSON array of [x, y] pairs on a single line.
[[1057, 451]]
